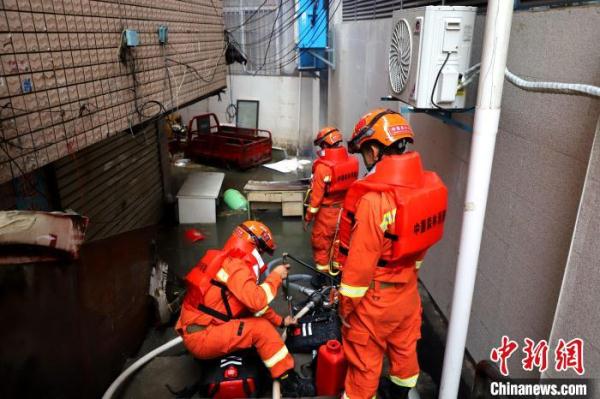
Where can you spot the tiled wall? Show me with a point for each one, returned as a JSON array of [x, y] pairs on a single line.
[[63, 86]]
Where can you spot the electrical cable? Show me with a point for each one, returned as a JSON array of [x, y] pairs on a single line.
[[437, 78], [270, 39], [250, 17], [23, 174], [290, 49], [196, 72], [324, 28], [286, 24]]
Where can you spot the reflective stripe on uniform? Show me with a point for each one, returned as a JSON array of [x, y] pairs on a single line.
[[277, 357], [352, 292], [418, 264], [405, 382], [262, 311], [388, 218], [222, 275], [327, 179], [267, 289], [323, 268], [313, 210]]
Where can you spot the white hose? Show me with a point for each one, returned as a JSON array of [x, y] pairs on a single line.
[[139, 363], [472, 68], [553, 87]]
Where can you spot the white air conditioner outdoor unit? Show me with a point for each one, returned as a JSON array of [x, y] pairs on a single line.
[[428, 44]]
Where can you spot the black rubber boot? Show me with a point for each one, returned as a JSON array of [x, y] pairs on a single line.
[[388, 390], [293, 386]]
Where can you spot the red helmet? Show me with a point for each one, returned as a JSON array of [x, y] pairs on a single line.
[[382, 125], [328, 135], [251, 234]]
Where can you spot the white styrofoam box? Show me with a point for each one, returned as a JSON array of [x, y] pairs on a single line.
[[197, 198]]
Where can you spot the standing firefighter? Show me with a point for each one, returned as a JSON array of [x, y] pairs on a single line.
[[391, 217], [333, 173], [225, 309]]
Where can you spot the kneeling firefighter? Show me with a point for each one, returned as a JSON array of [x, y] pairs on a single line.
[[225, 309], [333, 173], [390, 218]]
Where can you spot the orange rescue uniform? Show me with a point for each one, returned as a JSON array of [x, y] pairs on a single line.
[[207, 336], [380, 304], [326, 211]]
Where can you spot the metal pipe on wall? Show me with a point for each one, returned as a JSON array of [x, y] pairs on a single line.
[[487, 115]]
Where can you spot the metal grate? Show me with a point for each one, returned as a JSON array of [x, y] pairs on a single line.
[[357, 10]]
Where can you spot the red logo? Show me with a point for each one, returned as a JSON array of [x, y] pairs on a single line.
[[503, 352], [569, 355], [535, 355]]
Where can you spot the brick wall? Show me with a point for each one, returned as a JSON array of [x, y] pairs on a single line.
[[64, 88]]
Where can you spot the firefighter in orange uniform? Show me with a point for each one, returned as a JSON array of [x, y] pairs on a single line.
[[225, 309], [390, 218], [333, 173]]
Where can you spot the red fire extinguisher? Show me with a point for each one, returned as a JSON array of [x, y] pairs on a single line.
[[331, 369]]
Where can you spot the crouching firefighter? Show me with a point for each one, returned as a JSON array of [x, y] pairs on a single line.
[[390, 218], [333, 173], [226, 310]]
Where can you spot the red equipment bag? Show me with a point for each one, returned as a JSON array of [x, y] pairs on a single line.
[[236, 375]]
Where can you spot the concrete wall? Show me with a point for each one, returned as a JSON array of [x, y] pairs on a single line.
[[539, 166], [63, 86], [577, 315], [279, 108]]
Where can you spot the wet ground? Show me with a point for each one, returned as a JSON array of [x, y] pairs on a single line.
[[176, 367]]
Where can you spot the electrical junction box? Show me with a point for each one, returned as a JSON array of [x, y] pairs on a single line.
[[428, 44], [163, 32], [131, 38]]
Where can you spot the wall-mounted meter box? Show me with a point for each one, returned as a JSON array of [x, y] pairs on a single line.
[[430, 44], [163, 34], [132, 38]]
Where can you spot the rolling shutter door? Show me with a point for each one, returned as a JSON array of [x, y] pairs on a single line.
[[117, 183]]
